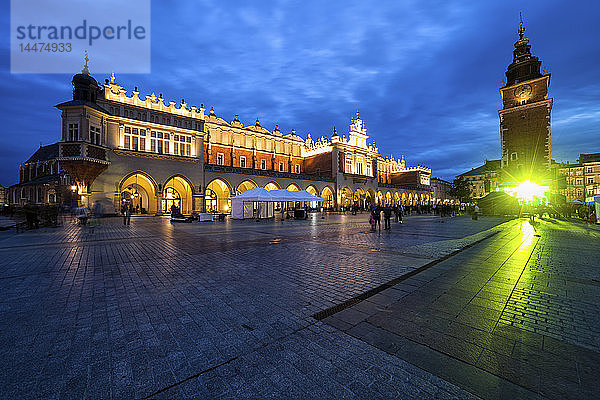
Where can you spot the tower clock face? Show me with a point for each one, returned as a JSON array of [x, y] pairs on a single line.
[[523, 91]]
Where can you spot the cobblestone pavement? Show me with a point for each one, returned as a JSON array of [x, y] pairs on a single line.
[[155, 310], [515, 316]]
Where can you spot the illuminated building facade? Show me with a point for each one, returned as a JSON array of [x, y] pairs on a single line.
[[581, 181], [121, 147]]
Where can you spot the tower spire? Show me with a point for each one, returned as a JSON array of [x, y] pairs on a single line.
[[521, 27], [85, 69]]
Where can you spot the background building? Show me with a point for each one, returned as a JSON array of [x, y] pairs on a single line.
[[441, 192], [581, 181]]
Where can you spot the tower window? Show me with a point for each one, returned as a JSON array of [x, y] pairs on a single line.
[[73, 132], [513, 156], [220, 158], [243, 162], [263, 164]]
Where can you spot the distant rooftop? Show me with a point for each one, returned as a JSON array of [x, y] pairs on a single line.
[[490, 165]]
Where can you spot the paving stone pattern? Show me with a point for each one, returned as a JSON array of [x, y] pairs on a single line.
[[515, 316], [207, 310]]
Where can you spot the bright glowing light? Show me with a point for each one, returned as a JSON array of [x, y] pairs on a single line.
[[527, 191]]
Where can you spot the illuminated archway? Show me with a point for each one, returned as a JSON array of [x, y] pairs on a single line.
[[217, 196], [292, 187], [247, 184], [379, 199], [327, 195], [177, 192], [404, 199], [139, 189], [272, 186], [346, 197], [396, 198], [312, 190], [388, 198]]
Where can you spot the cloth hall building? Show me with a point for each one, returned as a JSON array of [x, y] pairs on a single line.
[[118, 146]]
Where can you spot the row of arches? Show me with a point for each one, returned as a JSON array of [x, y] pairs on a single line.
[[368, 198], [147, 196]]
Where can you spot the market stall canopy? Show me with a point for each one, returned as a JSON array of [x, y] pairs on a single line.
[[294, 195], [574, 201], [256, 194]]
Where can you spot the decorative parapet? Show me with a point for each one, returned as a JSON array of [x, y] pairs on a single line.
[[114, 92]]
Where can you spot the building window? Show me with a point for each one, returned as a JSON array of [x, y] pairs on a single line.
[[359, 168], [95, 135], [348, 168], [281, 167], [297, 168], [152, 145], [513, 156], [188, 149], [590, 180], [589, 169], [220, 158], [160, 146], [127, 142], [134, 143], [176, 148], [143, 144], [73, 132], [166, 147], [243, 162], [263, 164]]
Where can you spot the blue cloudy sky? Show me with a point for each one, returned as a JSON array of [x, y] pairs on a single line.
[[424, 74]]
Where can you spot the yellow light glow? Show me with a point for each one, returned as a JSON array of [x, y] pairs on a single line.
[[527, 191]]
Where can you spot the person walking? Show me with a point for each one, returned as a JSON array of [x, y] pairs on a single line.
[[387, 216], [126, 211], [377, 216]]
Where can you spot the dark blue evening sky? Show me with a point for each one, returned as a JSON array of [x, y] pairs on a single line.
[[424, 74]]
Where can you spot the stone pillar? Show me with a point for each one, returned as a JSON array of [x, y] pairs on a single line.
[[159, 198], [197, 202]]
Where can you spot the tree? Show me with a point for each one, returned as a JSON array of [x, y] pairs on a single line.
[[460, 190]]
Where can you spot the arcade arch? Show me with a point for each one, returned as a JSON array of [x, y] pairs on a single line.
[[177, 192], [217, 196], [138, 188]]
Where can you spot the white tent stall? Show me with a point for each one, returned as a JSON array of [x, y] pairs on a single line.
[[253, 203], [259, 202]]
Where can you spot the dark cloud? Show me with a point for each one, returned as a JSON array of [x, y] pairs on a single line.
[[425, 75]]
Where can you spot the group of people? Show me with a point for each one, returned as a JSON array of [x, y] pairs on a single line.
[[377, 211]]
